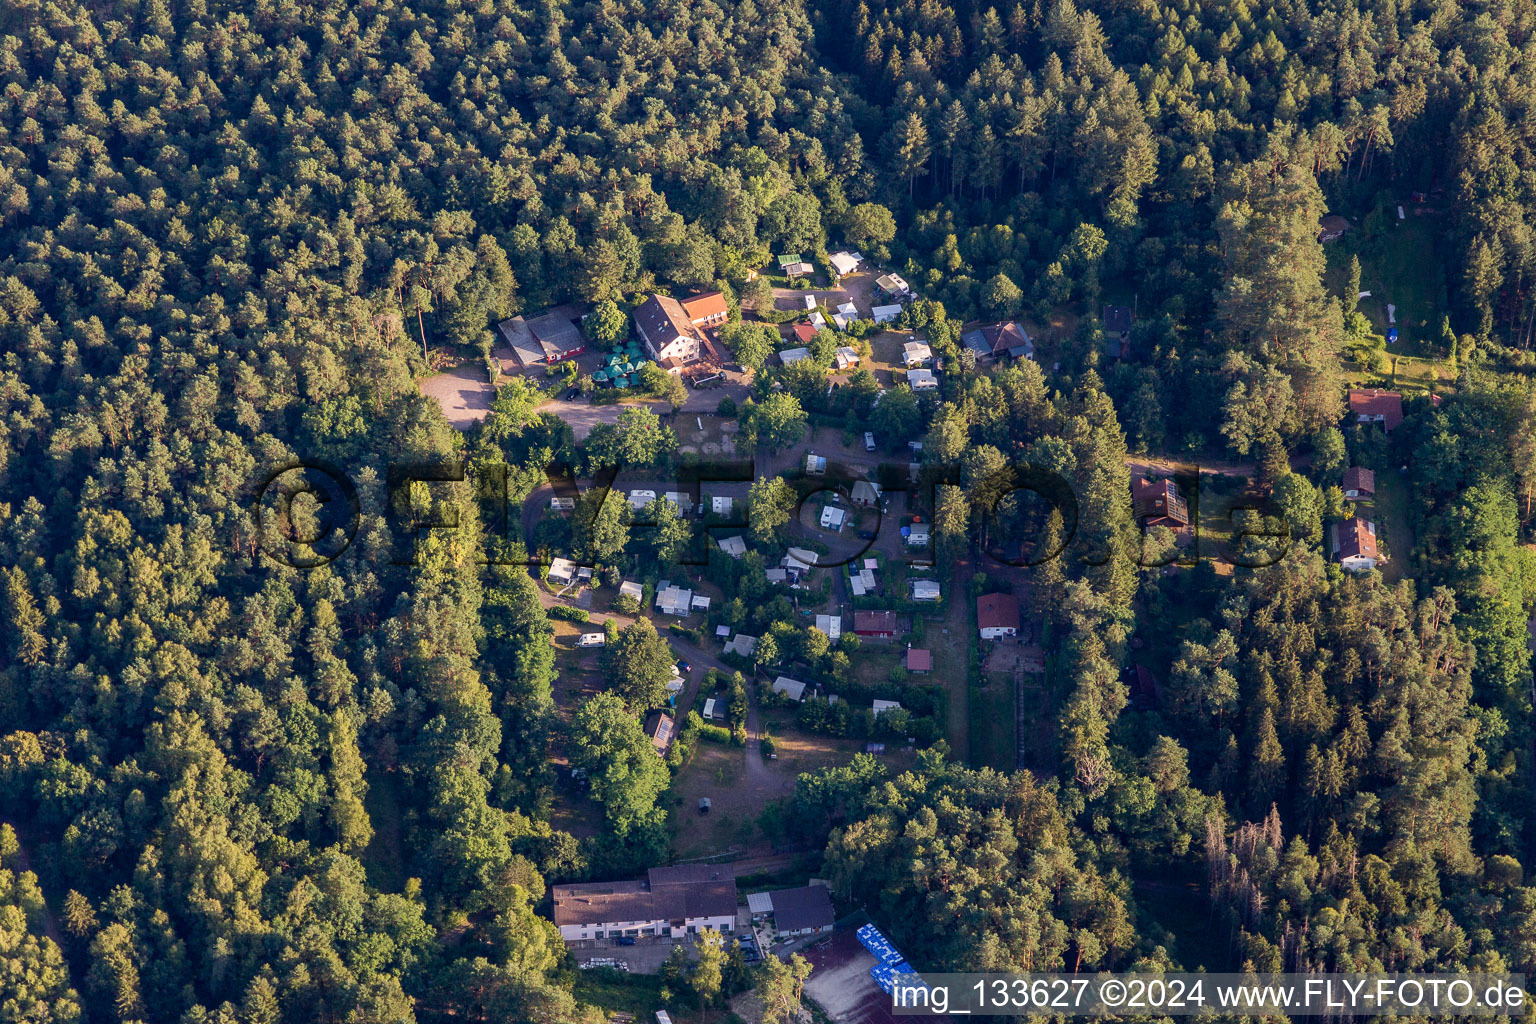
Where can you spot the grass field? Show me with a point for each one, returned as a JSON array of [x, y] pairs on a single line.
[[1391, 513], [640, 995], [1398, 265], [992, 726], [738, 796]]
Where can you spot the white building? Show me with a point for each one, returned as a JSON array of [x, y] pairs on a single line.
[[793, 355], [733, 546], [832, 625], [629, 588], [805, 555], [916, 353], [922, 380], [561, 571], [846, 358], [918, 535], [843, 262], [925, 590], [832, 518], [639, 499], [675, 902], [668, 332], [815, 465], [674, 600], [721, 506], [866, 494], [885, 314], [882, 706]]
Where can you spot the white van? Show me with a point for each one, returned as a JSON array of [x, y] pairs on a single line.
[[592, 640], [869, 441]]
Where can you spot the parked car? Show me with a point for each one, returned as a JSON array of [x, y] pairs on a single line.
[[684, 667], [592, 640], [869, 441], [866, 535], [570, 394], [624, 940]]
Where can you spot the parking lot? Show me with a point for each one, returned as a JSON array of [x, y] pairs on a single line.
[[649, 951]]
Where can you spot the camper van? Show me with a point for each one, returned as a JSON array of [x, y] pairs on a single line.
[[592, 640]]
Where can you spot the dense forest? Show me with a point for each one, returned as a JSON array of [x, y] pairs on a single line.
[[231, 231]]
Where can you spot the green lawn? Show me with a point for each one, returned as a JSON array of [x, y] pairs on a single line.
[[991, 720], [1398, 265], [1390, 510], [640, 995]]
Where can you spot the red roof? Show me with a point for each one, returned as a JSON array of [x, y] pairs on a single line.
[[806, 333], [703, 307], [874, 622], [997, 611], [1374, 404], [1356, 540], [919, 659], [1361, 480]]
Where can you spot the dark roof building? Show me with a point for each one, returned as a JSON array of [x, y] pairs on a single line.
[[874, 623], [1159, 503], [1117, 319], [685, 897], [803, 911], [547, 338], [1359, 483], [1331, 227], [919, 659], [993, 341]]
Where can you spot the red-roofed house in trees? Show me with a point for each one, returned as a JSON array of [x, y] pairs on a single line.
[[1359, 483], [997, 616], [1355, 544], [1159, 503], [706, 310], [1373, 405]]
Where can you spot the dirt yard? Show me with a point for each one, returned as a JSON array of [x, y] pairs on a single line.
[[737, 799], [706, 434], [840, 983], [462, 393]]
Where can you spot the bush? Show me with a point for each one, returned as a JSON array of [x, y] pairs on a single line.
[[768, 745], [713, 733], [569, 614]]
